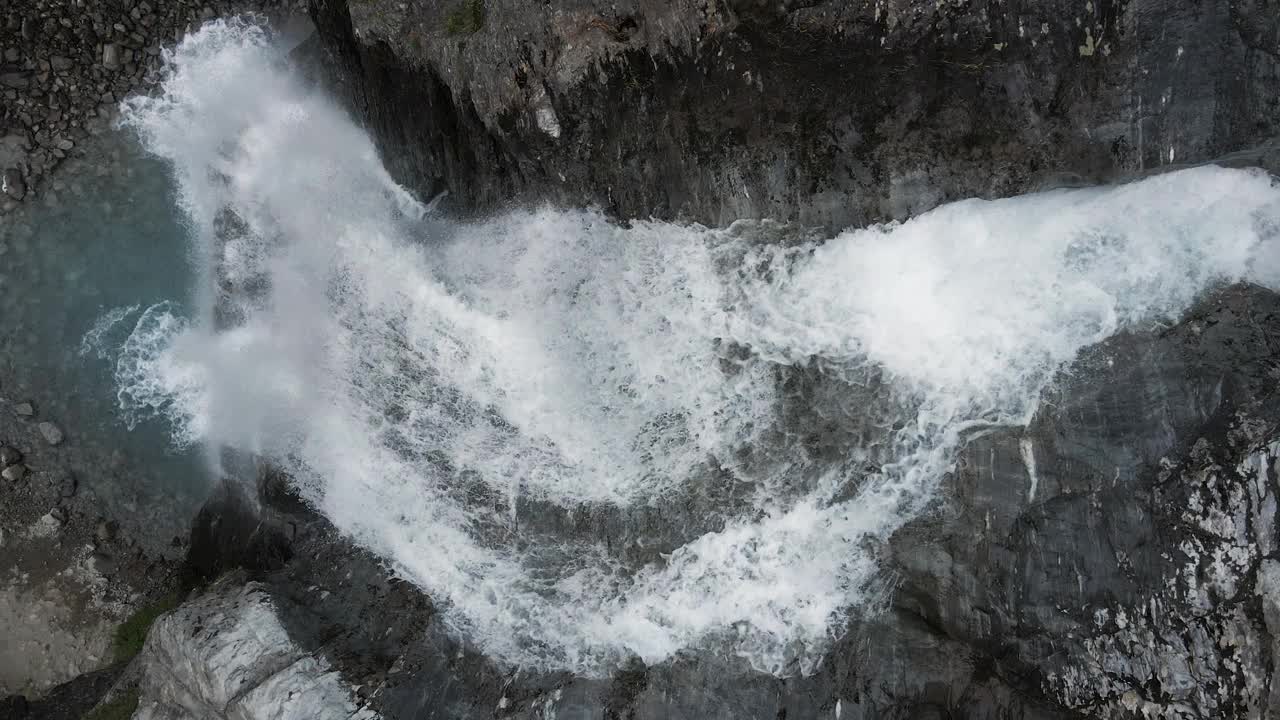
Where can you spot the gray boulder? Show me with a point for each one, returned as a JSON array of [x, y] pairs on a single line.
[[223, 655], [52, 433]]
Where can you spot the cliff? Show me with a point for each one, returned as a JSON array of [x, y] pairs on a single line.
[[829, 113]]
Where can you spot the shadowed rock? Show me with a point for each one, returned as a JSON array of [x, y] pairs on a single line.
[[1113, 557]]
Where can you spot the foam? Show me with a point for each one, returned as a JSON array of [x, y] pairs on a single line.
[[424, 380]]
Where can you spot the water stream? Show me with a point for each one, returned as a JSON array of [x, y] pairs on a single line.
[[105, 235], [748, 413]]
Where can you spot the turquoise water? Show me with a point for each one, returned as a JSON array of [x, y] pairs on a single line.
[[104, 235]]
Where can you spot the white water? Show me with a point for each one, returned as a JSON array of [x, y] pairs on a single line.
[[425, 381]]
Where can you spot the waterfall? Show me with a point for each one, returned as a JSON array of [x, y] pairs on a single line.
[[461, 398]]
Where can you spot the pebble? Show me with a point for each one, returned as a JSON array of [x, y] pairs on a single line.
[[51, 433], [9, 456], [106, 531], [14, 473], [104, 563], [24, 409], [67, 486], [111, 55]]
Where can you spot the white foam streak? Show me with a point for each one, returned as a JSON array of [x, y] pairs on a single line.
[[424, 381]]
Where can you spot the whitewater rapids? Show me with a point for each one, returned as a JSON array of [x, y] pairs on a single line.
[[439, 390]]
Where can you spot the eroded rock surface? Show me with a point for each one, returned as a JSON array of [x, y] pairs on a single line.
[[1116, 558], [223, 654], [830, 113]]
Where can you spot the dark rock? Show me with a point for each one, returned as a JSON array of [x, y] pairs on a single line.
[[1122, 575], [67, 486], [9, 456], [71, 700], [12, 184], [59, 63], [16, 707], [827, 112], [16, 80], [228, 534], [105, 564]]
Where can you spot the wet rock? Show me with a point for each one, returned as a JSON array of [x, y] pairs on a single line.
[[13, 150], [104, 564], [24, 409], [72, 700], [14, 473], [13, 185], [106, 530], [1127, 579], [15, 707], [111, 55], [67, 486], [10, 456], [920, 101], [15, 80], [52, 434], [243, 664]]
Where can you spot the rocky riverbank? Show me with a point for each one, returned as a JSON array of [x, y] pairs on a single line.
[[88, 532], [65, 65], [1115, 559]]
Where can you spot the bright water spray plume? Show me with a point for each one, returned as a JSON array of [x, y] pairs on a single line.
[[425, 382]]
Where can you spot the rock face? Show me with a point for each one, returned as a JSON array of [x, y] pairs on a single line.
[[1113, 556], [72, 699], [1116, 558], [224, 655], [828, 112]]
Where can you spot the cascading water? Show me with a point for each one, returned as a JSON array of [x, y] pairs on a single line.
[[453, 396]]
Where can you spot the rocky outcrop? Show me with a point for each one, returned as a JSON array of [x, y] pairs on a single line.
[[1116, 555], [224, 654], [1116, 558], [72, 699], [826, 112]]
